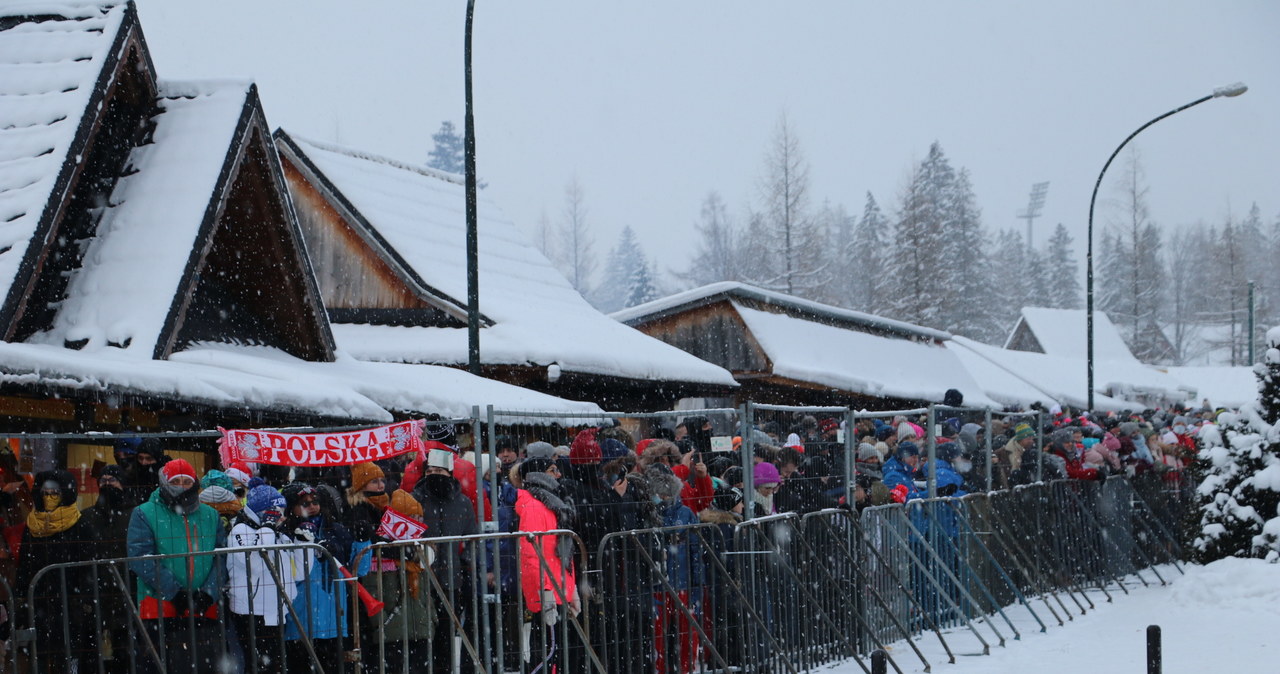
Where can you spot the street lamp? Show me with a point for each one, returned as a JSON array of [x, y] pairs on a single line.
[[1229, 91]]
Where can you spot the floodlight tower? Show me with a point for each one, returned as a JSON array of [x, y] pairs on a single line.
[[1034, 203]]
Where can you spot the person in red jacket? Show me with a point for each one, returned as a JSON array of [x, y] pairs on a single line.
[[547, 579]]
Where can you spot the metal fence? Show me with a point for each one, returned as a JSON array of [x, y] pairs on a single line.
[[634, 585]]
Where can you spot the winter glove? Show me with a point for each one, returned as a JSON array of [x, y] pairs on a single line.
[[1100, 475], [303, 535], [201, 602], [181, 602], [574, 607], [947, 490], [550, 612], [334, 550]]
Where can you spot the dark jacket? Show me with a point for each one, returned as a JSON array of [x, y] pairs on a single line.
[[448, 513]]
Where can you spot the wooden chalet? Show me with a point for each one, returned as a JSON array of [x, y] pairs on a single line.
[[153, 276], [387, 242], [790, 351]]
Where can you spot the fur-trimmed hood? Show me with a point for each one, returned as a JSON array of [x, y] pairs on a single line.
[[713, 516]]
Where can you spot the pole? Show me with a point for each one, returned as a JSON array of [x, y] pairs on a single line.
[[473, 236], [931, 448], [1154, 654], [1252, 339], [1228, 91]]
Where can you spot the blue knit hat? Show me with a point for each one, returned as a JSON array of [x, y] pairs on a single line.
[[266, 503], [612, 448], [908, 449]]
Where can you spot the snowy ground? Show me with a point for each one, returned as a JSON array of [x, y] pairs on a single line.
[[1223, 617]]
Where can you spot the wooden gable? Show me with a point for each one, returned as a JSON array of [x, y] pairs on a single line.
[[248, 279], [362, 279], [1023, 338], [713, 332], [114, 122]]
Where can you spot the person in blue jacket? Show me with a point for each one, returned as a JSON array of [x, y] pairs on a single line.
[[901, 469], [322, 590]]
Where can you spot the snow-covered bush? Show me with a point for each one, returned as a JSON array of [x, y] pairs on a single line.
[[1239, 496]]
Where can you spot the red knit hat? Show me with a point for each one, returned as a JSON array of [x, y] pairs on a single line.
[[178, 467], [585, 449]]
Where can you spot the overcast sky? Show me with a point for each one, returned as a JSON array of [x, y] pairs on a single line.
[[653, 104]]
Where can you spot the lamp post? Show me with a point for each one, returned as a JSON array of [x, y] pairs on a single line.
[[1229, 91], [473, 236]]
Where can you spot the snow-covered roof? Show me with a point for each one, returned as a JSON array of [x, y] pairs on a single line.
[[859, 362], [222, 375], [48, 74], [998, 383], [538, 318], [1222, 386], [725, 289], [1066, 379], [131, 270], [1064, 332]]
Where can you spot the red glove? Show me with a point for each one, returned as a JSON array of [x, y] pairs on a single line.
[[899, 493]]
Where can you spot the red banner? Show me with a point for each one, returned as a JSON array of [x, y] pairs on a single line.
[[321, 449], [400, 527]]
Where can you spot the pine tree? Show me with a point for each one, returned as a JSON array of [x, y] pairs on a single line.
[[968, 287], [447, 155], [1239, 496], [870, 254], [1063, 284], [641, 287], [918, 289], [717, 256]]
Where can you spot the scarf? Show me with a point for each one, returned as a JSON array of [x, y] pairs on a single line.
[[43, 524]]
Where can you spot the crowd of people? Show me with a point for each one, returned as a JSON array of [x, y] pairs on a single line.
[[253, 606]]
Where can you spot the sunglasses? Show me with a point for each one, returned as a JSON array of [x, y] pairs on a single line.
[[308, 503]]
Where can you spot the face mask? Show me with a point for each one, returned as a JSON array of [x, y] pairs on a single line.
[[378, 498], [963, 465], [439, 486], [52, 502], [183, 501], [1179, 429], [110, 496]]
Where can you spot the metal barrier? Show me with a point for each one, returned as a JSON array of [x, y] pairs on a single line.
[[99, 615]]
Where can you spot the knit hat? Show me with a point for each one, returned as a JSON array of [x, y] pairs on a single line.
[[217, 494], [908, 448], [953, 398], [1022, 432], [884, 431], [152, 447], [264, 499], [539, 450], [364, 473], [765, 473], [585, 449], [239, 471], [612, 448], [732, 475], [404, 503], [867, 451], [216, 478], [539, 465], [828, 425], [662, 482], [726, 498], [294, 491], [178, 467], [947, 451], [440, 432], [440, 458]]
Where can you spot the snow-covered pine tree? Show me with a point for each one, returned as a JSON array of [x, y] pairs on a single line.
[[1239, 495], [642, 286], [1063, 285], [968, 288], [447, 154], [918, 289], [870, 255]]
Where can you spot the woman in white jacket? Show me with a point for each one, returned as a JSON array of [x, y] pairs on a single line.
[[256, 578]]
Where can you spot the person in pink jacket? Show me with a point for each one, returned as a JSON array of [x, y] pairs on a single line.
[[547, 580]]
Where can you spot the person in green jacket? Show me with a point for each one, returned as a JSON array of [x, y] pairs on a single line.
[[182, 592]]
